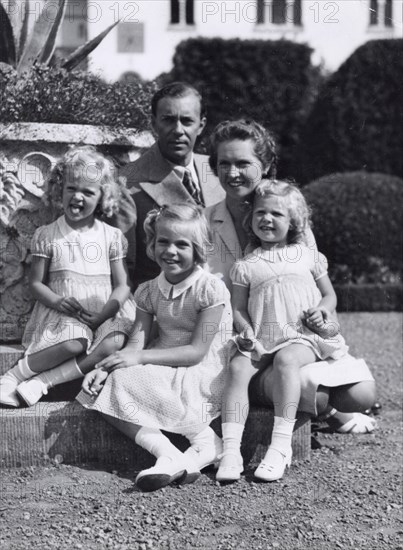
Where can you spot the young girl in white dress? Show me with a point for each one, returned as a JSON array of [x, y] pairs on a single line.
[[282, 302], [176, 381], [78, 276]]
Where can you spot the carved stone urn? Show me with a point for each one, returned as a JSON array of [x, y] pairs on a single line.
[[27, 153]]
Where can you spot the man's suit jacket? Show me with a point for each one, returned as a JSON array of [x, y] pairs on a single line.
[[152, 182]]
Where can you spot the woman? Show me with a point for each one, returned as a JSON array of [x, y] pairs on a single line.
[[242, 152]]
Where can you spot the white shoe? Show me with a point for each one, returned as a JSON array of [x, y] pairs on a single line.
[[8, 393], [358, 424], [32, 390], [273, 465], [165, 471], [231, 467], [205, 455]]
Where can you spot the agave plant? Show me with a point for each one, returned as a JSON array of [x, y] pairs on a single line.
[[21, 49]]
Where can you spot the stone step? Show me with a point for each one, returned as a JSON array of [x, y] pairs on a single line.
[[66, 432], [63, 431]]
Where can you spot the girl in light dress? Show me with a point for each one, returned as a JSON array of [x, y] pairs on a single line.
[[78, 276], [175, 382], [283, 302]]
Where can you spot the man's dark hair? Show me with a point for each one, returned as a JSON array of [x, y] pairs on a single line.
[[176, 89]]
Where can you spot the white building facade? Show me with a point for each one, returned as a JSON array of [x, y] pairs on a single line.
[[149, 30]]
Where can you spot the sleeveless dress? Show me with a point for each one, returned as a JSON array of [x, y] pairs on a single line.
[[282, 285], [79, 267], [176, 399]]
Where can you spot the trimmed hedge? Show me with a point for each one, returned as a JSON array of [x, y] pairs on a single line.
[[48, 94], [357, 121], [357, 222], [272, 82], [369, 297]]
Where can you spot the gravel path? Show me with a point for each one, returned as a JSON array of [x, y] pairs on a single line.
[[347, 496]]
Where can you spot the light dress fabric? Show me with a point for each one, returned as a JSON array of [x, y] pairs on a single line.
[[80, 266], [225, 250], [177, 399], [282, 285]]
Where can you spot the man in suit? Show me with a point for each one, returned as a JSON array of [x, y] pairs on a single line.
[[169, 172]]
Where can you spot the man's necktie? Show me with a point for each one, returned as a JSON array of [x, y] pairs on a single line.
[[191, 188]]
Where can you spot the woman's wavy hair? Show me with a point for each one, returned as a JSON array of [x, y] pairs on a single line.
[[85, 161], [196, 226], [264, 142], [297, 207]]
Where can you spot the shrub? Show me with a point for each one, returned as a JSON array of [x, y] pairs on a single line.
[[272, 82], [357, 121], [56, 95], [357, 221]]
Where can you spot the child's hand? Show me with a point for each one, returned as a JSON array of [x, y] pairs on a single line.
[[69, 306], [319, 320], [246, 341], [121, 360], [315, 317], [90, 318], [93, 382]]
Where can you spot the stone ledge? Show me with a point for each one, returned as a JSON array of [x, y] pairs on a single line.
[[66, 432], [74, 133]]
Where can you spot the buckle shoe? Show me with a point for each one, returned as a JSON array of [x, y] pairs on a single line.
[[273, 465]]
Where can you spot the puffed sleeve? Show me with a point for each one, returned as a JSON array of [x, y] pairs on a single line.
[[319, 265], [118, 246], [213, 293], [239, 273], [142, 297], [40, 243]]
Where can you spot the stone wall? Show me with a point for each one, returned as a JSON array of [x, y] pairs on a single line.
[[27, 153]]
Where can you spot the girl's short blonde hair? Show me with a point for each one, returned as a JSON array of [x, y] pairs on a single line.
[[297, 207], [79, 161], [186, 213]]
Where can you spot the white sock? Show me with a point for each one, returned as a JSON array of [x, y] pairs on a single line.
[[67, 371], [21, 371], [156, 443], [202, 439], [232, 437], [282, 433]]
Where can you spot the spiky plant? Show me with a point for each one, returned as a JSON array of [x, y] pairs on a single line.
[[20, 49]]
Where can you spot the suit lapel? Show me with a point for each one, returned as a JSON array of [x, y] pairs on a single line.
[[223, 226], [209, 183], [168, 191], [163, 185]]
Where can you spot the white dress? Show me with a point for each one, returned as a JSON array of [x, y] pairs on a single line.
[[79, 267], [282, 286], [176, 399]]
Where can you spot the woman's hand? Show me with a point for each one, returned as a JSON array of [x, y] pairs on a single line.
[[121, 359], [93, 382]]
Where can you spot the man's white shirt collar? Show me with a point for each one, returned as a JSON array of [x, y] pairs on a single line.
[[180, 170], [173, 291]]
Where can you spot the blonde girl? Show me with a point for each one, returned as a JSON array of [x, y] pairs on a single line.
[[78, 277], [282, 302], [175, 382]]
